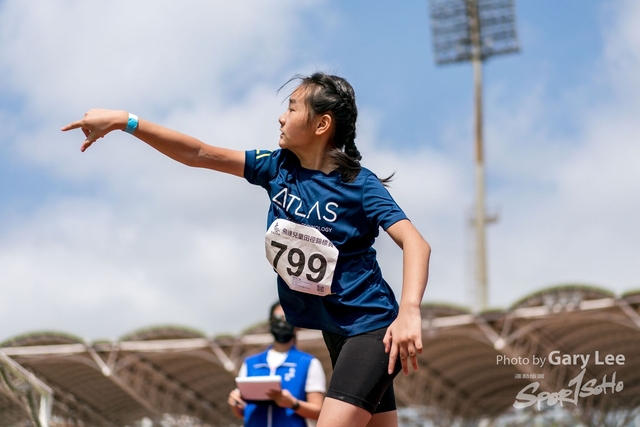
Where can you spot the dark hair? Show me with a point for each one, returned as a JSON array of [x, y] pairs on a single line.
[[332, 94], [273, 308]]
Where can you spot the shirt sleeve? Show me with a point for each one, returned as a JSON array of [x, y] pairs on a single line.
[[378, 204], [316, 381], [260, 166]]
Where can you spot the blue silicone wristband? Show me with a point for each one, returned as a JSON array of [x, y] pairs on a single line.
[[132, 124]]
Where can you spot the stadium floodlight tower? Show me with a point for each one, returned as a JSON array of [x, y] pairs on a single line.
[[474, 30]]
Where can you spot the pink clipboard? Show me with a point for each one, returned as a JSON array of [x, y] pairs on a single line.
[[256, 388]]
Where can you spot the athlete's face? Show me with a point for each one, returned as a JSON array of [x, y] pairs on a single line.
[[296, 130]]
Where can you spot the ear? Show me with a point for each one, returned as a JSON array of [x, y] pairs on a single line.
[[324, 124]]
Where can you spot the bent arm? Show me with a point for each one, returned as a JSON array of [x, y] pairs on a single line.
[[404, 335], [183, 148]]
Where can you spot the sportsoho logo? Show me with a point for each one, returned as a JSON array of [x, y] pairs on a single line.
[[576, 387]]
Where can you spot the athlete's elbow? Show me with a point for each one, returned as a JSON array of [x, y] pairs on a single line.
[[197, 159], [425, 248]]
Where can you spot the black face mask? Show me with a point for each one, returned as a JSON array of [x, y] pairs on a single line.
[[282, 331]]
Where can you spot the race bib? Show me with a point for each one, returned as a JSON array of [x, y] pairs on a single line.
[[302, 256]]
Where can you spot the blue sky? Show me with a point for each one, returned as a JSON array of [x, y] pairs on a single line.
[[100, 243]]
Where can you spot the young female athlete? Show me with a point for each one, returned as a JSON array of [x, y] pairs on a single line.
[[324, 216]]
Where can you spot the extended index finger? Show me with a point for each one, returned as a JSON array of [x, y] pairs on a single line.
[[73, 125]]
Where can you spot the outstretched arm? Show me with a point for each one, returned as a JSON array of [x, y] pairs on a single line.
[[183, 148], [404, 336]]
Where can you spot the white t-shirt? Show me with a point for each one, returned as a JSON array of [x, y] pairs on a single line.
[[316, 381]]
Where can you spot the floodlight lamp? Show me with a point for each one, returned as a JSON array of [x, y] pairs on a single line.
[[464, 30]]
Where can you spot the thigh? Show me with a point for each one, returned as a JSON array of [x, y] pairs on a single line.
[[335, 413], [384, 419], [360, 374]]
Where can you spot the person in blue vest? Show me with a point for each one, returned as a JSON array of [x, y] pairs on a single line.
[[303, 381]]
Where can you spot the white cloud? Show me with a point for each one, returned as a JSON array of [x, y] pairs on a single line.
[[622, 50], [568, 201], [90, 267], [154, 53], [130, 237]]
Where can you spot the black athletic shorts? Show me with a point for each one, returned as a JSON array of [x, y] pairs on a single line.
[[360, 375]]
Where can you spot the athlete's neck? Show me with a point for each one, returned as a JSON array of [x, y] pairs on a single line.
[[315, 160]]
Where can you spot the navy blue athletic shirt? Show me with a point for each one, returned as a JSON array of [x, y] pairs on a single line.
[[350, 215]]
